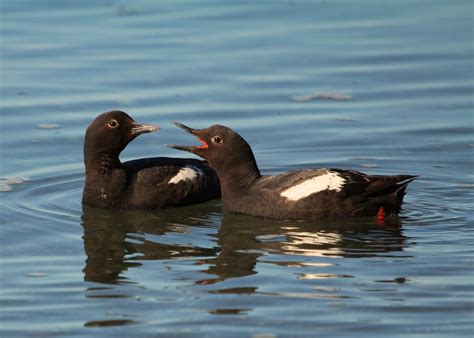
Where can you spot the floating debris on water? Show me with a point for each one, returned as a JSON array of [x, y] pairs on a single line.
[[6, 183], [369, 165], [466, 185], [322, 96], [15, 180], [36, 274], [49, 126], [5, 187]]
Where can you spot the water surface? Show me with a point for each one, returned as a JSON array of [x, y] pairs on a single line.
[[387, 88]]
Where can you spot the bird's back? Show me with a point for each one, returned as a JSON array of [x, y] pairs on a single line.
[[168, 182], [322, 193], [152, 183]]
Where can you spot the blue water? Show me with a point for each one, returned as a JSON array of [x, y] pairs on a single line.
[[406, 70]]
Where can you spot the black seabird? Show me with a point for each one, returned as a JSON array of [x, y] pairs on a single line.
[[147, 183], [303, 194]]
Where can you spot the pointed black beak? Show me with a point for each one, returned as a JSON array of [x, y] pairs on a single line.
[[183, 148], [138, 129], [192, 149], [185, 128]]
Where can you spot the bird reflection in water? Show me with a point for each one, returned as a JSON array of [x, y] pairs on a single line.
[[244, 239], [117, 241]]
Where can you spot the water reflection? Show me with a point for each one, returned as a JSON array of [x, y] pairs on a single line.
[[117, 241], [244, 239]]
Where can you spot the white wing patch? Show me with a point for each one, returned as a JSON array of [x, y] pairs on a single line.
[[186, 173], [327, 181]]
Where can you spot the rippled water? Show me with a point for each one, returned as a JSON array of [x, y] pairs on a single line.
[[382, 87]]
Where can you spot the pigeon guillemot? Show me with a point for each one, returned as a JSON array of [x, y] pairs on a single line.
[[304, 194], [147, 183]]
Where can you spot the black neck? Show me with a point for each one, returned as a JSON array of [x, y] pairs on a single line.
[[103, 163], [239, 178]]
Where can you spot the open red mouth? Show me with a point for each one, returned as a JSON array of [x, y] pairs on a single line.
[[192, 149], [203, 145]]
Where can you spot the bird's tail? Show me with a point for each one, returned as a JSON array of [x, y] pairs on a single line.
[[391, 197]]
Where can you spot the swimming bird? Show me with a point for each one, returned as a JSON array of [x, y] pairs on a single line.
[[146, 183], [304, 194]]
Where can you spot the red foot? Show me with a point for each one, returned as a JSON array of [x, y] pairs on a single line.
[[380, 216]]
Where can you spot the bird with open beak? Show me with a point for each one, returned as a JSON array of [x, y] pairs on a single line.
[[304, 194]]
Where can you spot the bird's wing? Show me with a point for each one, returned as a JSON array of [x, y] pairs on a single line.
[[289, 179]]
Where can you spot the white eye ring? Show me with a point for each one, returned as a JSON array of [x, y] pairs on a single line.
[[217, 139], [113, 124]]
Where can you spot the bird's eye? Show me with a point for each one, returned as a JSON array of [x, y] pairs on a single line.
[[113, 124], [217, 139]]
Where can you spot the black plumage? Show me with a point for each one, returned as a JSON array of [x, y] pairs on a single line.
[[147, 183], [304, 194]]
